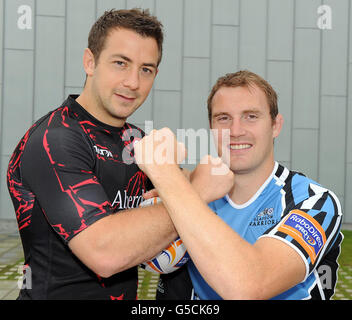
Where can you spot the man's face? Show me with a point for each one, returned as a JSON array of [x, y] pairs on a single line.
[[123, 76], [245, 113]]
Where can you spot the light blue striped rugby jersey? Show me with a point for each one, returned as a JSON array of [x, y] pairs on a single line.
[[298, 211]]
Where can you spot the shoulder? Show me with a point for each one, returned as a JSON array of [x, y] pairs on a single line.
[[60, 136], [298, 189]]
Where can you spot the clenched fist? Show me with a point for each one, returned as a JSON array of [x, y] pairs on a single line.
[[212, 178], [158, 150]]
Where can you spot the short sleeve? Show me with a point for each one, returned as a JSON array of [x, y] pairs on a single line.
[[58, 166], [311, 226]]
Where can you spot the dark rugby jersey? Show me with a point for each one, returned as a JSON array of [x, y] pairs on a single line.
[[68, 171]]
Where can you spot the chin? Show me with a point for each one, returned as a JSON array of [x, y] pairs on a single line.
[[240, 169]]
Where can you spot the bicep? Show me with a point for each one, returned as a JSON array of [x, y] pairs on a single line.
[[283, 266], [85, 246]]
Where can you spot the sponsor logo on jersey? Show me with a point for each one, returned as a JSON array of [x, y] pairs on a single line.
[[305, 230], [264, 218], [124, 201], [103, 152]]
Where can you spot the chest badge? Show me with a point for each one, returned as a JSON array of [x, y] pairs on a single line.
[[264, 218]]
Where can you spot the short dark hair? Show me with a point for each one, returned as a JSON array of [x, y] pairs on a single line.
[[245, 78], [138, 20]]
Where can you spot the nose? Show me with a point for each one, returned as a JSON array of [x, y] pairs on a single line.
[[237, 128], [131, 79]]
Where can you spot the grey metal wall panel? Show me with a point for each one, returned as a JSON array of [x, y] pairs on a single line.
[[253, 36], [18, 97], [6, 207], [226, 12], [306, 82], [224, 53], [350, 34], [348, 199], [104, 5], [170, 70], [72, 90], [15, 37], [311, 69], [280, 77], [51, 7], [349, 119], [305, 153], [334, 51], [195, 92], [167, 110], [49, 64], [1, 63], [197, 15], [1, 89], [1, 42], [144, 4], [306, 13], [332, 144], [78, 24], [280, 29]]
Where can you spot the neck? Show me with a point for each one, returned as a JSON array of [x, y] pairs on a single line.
[[247, 184], [94, 106]]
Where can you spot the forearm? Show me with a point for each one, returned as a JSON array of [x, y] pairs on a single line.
[[125, 239], [209, 240]]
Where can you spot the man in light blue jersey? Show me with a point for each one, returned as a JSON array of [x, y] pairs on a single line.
[[272, 233]]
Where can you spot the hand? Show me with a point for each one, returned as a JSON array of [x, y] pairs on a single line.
[[150, 194], [212, 178], [158, 150]]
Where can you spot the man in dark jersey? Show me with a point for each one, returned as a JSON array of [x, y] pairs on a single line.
[[74, 169]]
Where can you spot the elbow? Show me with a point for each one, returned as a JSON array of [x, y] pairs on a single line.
[[246, 291], [106, 263], [105, 267]]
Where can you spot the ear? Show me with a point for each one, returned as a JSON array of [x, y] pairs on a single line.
[[277, 125], [88, 62]]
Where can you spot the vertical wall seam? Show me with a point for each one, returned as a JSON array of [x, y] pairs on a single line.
[[293, 68], [211, 31], [347, 111], [34, 58], [239, 35], [320, 100], [210, 66], [266, 67], [65, 53], [182, 63], [2, 84], [153, 89]]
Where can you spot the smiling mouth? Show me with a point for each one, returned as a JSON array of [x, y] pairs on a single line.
[[125, 97], [240, 146]]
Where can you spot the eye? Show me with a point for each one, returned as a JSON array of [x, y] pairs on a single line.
[[147, 70], [120, 63], [252, 116], [222, 118]]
